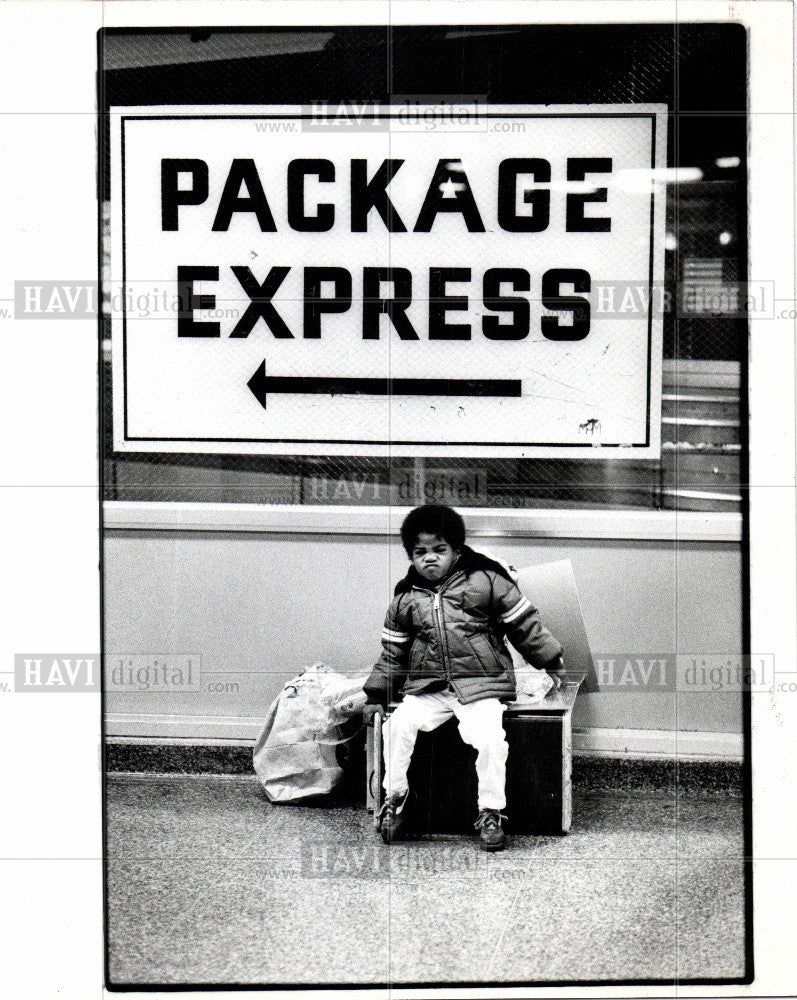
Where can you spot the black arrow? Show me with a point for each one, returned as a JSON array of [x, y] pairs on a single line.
[[262, 384]]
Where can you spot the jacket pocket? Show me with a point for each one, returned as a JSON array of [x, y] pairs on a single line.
[[486, 654]]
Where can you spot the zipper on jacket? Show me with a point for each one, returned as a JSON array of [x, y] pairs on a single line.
[[440, 620], [438, 612]]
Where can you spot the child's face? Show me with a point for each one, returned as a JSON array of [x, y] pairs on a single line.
[[433, 557]]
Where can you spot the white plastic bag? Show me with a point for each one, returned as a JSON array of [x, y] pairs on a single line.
[[532, 684], [294, 755]]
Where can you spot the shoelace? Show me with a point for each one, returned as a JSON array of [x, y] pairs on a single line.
[[390, 806], [490, 818]]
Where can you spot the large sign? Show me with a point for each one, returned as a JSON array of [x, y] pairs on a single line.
[[421, 285]]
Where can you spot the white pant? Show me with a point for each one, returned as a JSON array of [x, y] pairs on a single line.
[[479, 725]]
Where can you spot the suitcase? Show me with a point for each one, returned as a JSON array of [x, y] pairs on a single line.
[[538, 773]]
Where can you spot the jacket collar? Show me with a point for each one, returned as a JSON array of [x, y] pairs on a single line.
[[468, 562]]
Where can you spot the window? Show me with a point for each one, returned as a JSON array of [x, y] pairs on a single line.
[[705, 334]]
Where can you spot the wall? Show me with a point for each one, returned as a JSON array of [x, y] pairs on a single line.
[[257, 606]]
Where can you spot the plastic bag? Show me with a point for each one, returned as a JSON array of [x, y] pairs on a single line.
[[294, 755]]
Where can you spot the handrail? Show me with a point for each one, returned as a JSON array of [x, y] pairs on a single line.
[[641, 525]]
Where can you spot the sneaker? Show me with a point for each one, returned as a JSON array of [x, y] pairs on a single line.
[[491, 834], [393, 815]]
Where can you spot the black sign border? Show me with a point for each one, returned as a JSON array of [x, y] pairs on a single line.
[[604, 446]]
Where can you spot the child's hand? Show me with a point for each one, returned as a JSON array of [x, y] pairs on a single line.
[[370, 710], [557, 673]]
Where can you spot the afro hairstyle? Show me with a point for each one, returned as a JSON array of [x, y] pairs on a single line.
[[434, 519]]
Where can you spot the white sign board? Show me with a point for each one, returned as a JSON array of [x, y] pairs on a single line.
[[485, 286]]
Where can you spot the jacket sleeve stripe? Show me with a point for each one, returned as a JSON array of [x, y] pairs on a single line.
[[388, 635], [519, 609]]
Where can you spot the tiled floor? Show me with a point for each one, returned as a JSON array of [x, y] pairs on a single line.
[[209, 883]]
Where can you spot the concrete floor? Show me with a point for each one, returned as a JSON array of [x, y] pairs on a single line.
[[209, 883]]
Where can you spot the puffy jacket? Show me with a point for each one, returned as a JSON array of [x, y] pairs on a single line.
[[454, 633]]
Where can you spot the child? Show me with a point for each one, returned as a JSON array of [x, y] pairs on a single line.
[[443, 650]]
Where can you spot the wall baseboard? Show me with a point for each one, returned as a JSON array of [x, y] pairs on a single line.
[[162, 760], [631, 744], [661, 744]]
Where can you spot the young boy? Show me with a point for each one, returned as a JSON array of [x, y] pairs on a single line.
[[443, 650]]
